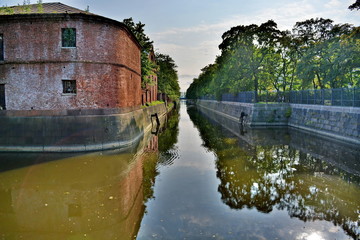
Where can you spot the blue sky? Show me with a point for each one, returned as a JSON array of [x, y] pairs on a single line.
[[190, 30]]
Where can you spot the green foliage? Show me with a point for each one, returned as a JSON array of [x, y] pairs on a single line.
[[149, 174], [167, 140], [148, 67], [167, 76], [40, 7], [26, 6], [288, 112], [169, 135], [316, 54], [163, 65], [355, 5], [6, 10], [324, 61], [154, 103]]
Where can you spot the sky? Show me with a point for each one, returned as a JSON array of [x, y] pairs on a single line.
[[190, 31]]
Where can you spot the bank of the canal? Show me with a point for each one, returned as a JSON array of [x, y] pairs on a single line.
[[342, 123], [75, 130]]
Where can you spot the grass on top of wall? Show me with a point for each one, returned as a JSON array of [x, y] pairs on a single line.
[[154, 103]]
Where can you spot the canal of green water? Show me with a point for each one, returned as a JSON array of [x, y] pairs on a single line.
[[202, 176]]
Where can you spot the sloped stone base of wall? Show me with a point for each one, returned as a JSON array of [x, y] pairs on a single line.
[[75, 133]]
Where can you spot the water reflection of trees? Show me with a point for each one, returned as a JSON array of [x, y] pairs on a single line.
[[168, 139], [165, 152], [279, 176]]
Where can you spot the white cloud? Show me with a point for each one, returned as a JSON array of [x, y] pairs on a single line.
[[333, 3]]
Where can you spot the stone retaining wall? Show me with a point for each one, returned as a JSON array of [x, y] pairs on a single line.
[[339, 122], [75, 133], [257, 114], [230, 109], [342, 123]]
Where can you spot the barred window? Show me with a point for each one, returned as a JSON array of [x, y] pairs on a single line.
[[69, 86], [68, 36]]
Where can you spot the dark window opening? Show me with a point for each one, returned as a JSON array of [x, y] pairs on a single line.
[[1, 47], [68, 36], [2, 97], [69, 86]]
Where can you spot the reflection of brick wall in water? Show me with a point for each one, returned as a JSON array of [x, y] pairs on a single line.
[[105, 64], [99, 195], [153, 145]]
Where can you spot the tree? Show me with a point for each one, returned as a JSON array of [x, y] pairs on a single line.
[[252, 48], [316, 54], [167, 76], [355, 5], [148, 67], [320, 53]]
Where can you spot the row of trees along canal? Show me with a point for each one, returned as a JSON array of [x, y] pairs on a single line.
[[164, 66], [316, 54]]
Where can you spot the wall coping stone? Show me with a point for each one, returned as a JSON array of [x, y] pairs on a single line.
[[328, 108]]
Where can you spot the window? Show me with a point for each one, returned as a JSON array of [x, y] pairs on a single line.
[[2, 97], [1, 47], [69, 86], [68, 37]]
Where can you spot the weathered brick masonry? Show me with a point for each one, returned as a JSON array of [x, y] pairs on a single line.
[[105, 62]]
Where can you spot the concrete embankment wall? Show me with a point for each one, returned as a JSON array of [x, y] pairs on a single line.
[[342, 123], [97, 130]]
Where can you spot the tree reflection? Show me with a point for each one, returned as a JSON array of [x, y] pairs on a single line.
[[168, 138], [161, 151], [282, 177]]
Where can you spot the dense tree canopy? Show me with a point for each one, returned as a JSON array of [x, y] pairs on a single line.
[[164, 66], [316, 54], [167, 76], [148, 67]]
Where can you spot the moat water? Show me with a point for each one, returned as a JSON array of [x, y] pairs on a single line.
[[201, 176]]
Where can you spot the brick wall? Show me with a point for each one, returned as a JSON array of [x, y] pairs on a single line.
[[105, 63]]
